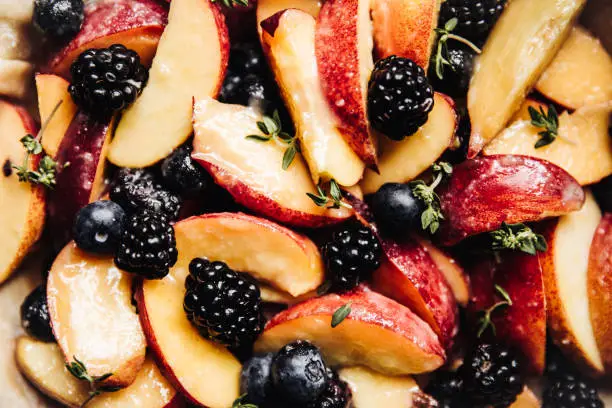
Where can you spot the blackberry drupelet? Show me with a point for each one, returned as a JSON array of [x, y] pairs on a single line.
[[299, 375], [399, 97], [182, 174], [35, 318], [147, 247], [59, 19], [107, 80], [351, 256], [337, 394], [571, 392], [137, 189], [475, 18], [223, 305], [456, 74], [447, 389], [491, 376]]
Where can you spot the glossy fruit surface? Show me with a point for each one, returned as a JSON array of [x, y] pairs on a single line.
[[98, 227]]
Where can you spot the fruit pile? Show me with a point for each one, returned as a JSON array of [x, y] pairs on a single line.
[[349, 204]]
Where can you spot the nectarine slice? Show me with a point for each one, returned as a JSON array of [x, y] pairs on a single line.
[[93, 320], [565, 266], [379, 333], [204, 372], [599, 283], [583, 147], [523, 42], [137, 24], [405, 28], [403, 161], [15, 78], [371, 389], [44, 366], [289, 40], [486, 191], [580, 74], [252, 171], [267, 8], [278, 256], [53, 89], [22, 205], [190, 63], [343, 46]]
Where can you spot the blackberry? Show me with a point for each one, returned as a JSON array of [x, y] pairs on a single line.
[[35, 318], [475, 18], [492, 376], [247, 57], [337, 394], [399, 97], [98, 227], [351, 256], [456, 74], [248, 90], [447, 389], [137, 189], [59, 19], [557, 366], [571, 392], [107, 80], [224, 305], [147, 247], [182, 174], [299, 374]]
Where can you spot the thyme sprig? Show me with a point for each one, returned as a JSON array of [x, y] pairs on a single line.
[[331, 199], [445, 34], [486, 320], [340, 314], [232, 3], [518, 237], [271, 127], [432, 215], [79, 371], [239, 402], [548, 121]]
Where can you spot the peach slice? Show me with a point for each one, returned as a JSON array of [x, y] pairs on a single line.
[[137, 24], [53, 89], [343, 46], [15, 78], [80, 177], [22, 205], [289, 40], [204, 372], [423, 148], [526, 399], [372, 390], [44, 366], [93, 320], [270, 294], [17, 41], [523, 42], [190, 63], [405, 28], [580, 74], [278, 257], [410, 276], [583, 148], [456, 277], [566, 266], [267, 8], [599, 282], [252, 171], [486, 191], [379, 333], [523, 113]]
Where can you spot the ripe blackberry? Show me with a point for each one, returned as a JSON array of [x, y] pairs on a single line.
[[337, 393], [447, 389], [475, 18], [107, 80], [249, 90], [59, 19], [399, 97], [147, 247], [456, 75], [571, 392], [492, 376], [247, 57], [352, 255], [224, 305], [182, 174], [35, 318], [137, 189]]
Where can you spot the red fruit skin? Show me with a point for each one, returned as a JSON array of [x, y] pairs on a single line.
[[486, 191]]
